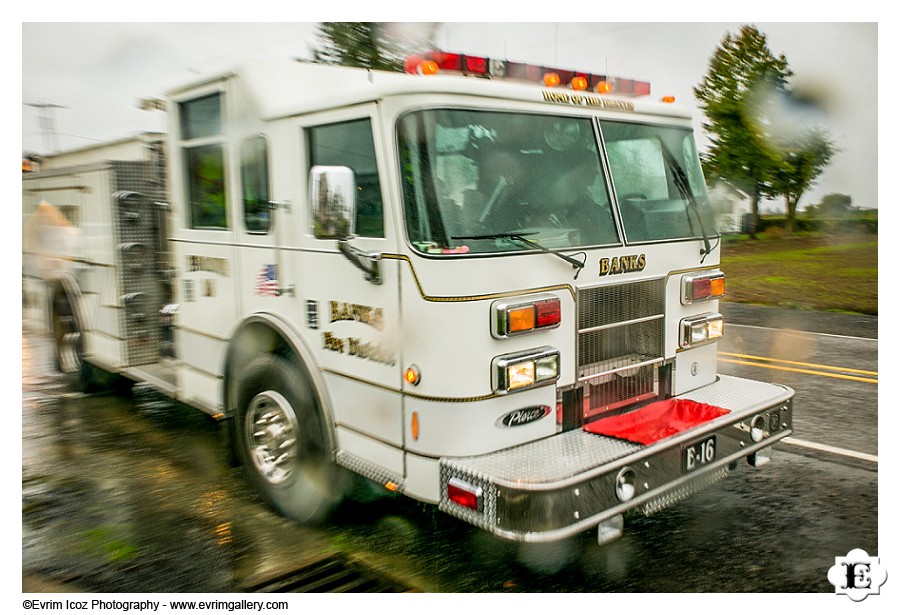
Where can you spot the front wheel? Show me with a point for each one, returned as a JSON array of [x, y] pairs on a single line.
[[281, 441]]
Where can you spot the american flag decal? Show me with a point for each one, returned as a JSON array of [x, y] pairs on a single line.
[[267, 281]]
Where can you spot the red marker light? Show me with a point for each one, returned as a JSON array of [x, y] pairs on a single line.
[[448, 61], [465, 495], [496, 68], [524, 315], [479, 66], [549, 313], [702, 287]]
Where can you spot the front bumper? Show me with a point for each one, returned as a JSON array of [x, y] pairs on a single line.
[[553, 488]]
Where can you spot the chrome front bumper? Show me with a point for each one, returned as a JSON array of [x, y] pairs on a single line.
[[553, 488]]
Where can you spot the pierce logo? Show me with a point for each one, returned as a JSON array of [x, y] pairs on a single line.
[[523, 416]]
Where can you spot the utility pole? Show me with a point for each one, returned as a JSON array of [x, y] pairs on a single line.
[[47, 120]]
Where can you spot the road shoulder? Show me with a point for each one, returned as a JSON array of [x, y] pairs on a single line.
[[832, 323]]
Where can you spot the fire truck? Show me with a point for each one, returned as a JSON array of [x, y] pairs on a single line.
[[489, 286]]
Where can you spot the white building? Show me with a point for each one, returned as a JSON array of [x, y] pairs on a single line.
[[730, 205]]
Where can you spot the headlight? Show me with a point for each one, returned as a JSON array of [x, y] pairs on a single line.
[[702, 329], [524, 370]]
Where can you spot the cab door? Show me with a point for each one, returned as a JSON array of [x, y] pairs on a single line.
[[353, 316]]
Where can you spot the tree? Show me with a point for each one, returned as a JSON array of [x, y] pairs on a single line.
[[742, 71], [364, 44], [835, 204], [802, 162]]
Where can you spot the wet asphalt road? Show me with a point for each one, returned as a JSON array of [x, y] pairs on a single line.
[[133, 494]]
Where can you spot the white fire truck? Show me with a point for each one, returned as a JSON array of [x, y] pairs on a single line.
[[493, 295]]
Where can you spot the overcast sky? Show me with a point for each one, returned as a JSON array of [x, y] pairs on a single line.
[[96, 71]]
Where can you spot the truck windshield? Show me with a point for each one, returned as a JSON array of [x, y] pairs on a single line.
[[658, 181], [484, 181]]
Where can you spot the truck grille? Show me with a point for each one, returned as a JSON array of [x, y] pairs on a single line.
[[620, 342]]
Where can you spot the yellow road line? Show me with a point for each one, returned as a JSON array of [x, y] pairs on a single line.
[[847, 370], [801, 371]]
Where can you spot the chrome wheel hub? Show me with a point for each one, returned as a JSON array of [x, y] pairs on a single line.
[[271, 436], [69, 344]]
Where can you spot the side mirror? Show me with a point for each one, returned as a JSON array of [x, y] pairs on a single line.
[[332, 198]]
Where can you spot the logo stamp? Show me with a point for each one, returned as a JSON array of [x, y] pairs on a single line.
[[857, 575]]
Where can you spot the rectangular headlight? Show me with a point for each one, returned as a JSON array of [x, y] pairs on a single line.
[[524, 370], [702, 329]]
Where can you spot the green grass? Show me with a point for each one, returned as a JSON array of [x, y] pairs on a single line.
[[818, 272], [109, 543]]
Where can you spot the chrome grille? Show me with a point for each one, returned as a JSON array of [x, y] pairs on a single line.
[[620, 331], [620, 327], [606, 305], [608, 394]]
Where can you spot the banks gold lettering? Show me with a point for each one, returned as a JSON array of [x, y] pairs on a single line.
[[207, 263], [623, 264], [372, 316]]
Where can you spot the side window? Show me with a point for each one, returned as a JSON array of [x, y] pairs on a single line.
[[204, 162], [350, 144], [255, 184]]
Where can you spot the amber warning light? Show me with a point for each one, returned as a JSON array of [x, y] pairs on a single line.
[[434, 62]]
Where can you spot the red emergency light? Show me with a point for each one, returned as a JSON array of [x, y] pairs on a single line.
[[432, 62]]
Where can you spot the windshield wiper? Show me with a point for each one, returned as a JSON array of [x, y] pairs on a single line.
[[521, 237], [681, 182]]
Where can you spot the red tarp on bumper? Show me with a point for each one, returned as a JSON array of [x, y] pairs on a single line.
[[656, 421]]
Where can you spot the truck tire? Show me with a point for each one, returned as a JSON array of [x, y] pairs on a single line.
[[280, 440], [68, 340], [67, 337]]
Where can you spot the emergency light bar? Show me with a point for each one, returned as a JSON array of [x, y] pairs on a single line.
[[432, 62]]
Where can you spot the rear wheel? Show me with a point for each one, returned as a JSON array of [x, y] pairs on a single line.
[[67, 335], [281, 441], [69, 352]]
